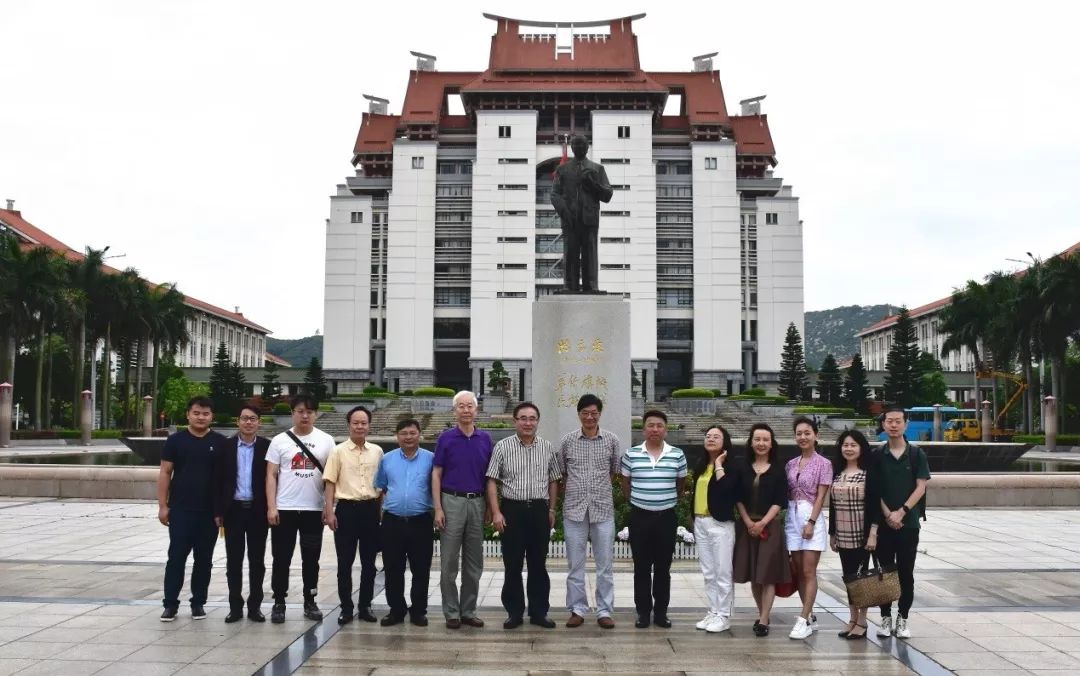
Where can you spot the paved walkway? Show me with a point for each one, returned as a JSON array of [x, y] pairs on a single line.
[[80, 586]]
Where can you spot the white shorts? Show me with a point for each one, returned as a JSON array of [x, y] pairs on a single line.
[[797, 514]]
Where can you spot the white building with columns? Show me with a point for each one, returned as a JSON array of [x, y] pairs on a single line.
[[444, 236]]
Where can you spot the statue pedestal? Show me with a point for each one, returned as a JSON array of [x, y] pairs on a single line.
[[581, 345]]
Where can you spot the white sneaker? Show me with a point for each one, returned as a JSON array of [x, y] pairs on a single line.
[[707, 620], [902, 630], [719, 624], [801, 629], [885, 628]]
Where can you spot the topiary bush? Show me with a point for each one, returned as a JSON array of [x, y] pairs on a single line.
[[693, 393], [433, 392], [281, 408]]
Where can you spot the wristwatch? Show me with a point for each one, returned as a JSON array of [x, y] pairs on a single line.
[[811, 521], [905, 508]]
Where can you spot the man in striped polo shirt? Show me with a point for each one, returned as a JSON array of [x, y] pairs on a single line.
[[653, 475], [526, 469]]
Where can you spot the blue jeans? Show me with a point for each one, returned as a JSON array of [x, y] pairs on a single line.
[[602, 534], [189, 531]]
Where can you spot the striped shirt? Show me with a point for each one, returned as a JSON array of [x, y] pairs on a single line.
[[653, 485], [588, 465], [524, 470]]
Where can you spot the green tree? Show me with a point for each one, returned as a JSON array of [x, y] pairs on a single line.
[[237, 387], [901, 369], [498, 378], [792, 365], [830, 382], [855, 390], [221, 388], [271, 385], [175, 394], [314, 381]]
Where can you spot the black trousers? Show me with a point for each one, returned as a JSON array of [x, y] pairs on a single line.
[[245, 528], [851, 560], [189, 531], [525, 540], [357, 530], [899, 547], [407, 539], [581, 246], [308, 524], [652, 545]]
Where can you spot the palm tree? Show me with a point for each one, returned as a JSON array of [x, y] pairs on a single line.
[[1059, 296], [112, 309], [165, 321], [85, 278]]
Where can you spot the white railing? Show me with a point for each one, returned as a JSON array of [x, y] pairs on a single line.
[[557, 550]]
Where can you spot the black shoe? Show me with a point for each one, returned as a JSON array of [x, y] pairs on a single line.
[[256, 615], [234, 616], [311, 611], [366, 615], [419, 620], [512, 623], [390, 620], [642, 622], [277, 613], [761, 629], [197, 612], [544, 622], [345, 617], [662, 621], [855, 634], [168, 615]]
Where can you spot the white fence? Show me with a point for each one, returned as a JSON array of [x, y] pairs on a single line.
[[557, 550]]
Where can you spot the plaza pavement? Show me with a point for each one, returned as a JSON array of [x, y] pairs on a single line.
[[80, 588]]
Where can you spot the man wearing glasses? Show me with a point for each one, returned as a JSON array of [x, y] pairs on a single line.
[[461, 457], [240, 506], [589, 458], [527, 470], [294, 503]]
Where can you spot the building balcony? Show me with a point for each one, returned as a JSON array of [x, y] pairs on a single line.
[[759, 187], [366, 183]]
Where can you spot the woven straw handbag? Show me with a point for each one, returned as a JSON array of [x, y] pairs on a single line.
[[874, 586]]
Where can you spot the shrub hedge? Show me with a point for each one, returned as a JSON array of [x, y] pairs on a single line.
[[433, 392], [693, 393], [825, 410], [1039, 439]]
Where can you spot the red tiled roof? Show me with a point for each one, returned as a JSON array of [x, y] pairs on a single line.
[[555, 82], [511, 51], [752, 136], [426, 94], [703, 96], [35, 235], [277, 360], [376, 134]]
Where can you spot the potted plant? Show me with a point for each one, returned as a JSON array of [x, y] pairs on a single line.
[[497, 396]]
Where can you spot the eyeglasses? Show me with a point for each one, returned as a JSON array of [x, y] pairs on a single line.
[[303, 412], [589, 414], [527, 418], [249, 418]]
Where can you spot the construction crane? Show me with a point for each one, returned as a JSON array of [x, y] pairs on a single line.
[[970, 430]]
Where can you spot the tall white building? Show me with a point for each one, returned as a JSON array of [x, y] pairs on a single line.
[[438, 245]]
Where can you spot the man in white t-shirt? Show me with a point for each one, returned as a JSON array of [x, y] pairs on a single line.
[[294, 503]]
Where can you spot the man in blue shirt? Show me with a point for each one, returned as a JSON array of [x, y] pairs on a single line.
[[404, 477]]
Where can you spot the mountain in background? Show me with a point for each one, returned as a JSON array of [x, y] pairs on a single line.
[[297, 351], [833, 331]]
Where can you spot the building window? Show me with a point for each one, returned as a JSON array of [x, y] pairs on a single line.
[[614, 240], [615, 160], [513, 160], [511, 294], [772, 219], [710, 163], [614, 266], [504, 131], [624, 131], [513, 240], [675, 297], [513, 266], [675, 329], [620, 186], [753, 299], [450, 327], [453, 296], [418, 163], [513, 212], [614, 213], [673, 167], [513, 186], [357, 216]]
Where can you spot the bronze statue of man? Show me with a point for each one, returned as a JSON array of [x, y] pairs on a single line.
[[580, 186]]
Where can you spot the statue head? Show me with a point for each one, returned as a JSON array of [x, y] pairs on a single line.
[[580, 145]]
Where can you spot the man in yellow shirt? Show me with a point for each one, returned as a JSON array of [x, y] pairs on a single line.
[[350, 478]]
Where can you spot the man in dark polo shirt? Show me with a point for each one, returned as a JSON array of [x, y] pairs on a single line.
[[903, 473], [462, 454], [186, 506]]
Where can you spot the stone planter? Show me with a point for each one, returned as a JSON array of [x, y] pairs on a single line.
[[373, 404], [495, 403], [693, 406], [777, 410], [637, 406], [432, 404], [840, 423]]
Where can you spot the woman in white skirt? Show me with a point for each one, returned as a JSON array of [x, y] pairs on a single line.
[[809, 476]]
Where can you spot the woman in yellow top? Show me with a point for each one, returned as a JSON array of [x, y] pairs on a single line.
[[715, 492]]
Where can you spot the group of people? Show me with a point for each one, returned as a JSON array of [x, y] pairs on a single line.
[[293, 485], [759, 521]]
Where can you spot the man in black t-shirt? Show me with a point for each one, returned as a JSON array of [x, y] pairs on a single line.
[[186, 506]]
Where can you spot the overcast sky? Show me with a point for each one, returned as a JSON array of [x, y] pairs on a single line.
[[928, 142]]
